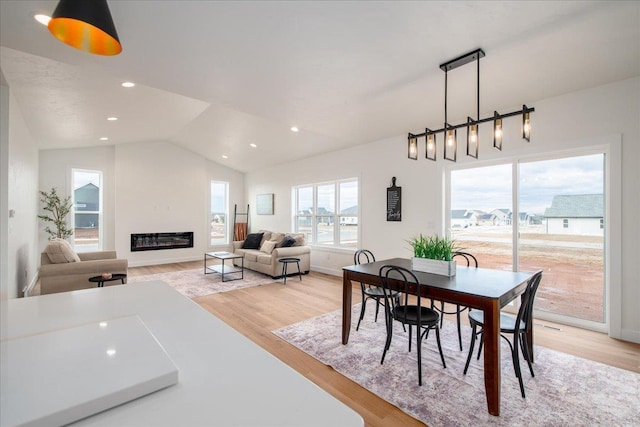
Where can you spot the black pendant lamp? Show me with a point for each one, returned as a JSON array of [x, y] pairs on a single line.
[[85, 25]]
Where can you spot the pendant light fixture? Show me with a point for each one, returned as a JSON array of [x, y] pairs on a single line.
[[472, 125], [497, 131], [431, 144], [85, 25]]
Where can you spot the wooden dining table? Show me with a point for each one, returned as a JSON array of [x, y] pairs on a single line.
[[479, 288]]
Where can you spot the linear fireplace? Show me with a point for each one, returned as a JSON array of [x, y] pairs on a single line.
[[158, 241]]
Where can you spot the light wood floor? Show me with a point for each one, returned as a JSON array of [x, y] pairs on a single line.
[[256, 311]]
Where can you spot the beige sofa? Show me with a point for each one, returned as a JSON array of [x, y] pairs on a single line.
[[71, 276], [266, 261]]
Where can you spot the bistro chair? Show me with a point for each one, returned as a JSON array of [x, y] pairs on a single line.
[[470, 261], [423, 318], [364, 256], [517, 326]]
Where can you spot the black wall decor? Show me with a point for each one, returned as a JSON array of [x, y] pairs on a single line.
[[394, 202]]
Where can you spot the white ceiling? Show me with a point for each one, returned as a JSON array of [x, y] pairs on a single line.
[[216, 76]]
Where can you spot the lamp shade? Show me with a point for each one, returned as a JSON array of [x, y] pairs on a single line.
[[85, 25]]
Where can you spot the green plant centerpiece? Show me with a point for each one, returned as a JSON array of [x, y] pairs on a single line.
[[57, 209], [433, 254]]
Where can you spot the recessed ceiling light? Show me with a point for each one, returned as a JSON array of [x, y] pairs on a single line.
[[128, 84], [43, 19], [112, 119], [253, 145], [224, 156], [104, 138], [294, 129]]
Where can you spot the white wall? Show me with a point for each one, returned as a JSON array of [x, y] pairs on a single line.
[[22, 250], [576, 226], [56, 171], [162, 187], [585, 118]]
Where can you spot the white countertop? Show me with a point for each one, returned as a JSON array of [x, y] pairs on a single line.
[[224, 378]]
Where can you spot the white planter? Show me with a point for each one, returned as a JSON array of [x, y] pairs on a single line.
[[443, 268]]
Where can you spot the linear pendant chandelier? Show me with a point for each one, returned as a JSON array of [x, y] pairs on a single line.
[[450, 131]]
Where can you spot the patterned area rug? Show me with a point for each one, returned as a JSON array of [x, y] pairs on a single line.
[[566, 391], [194, 283]]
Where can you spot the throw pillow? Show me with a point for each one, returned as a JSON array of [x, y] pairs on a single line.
[[252, 241], [287, 242], [268, 246], [59, 251]]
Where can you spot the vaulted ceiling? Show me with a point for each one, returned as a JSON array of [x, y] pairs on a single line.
[[217, 76]]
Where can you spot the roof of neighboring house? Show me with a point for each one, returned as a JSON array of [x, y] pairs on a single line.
[[353, 210], [486, 216], [460, 214], [576, 206]]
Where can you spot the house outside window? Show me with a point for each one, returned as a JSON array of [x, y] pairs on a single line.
[[328, 213], [565, 223], [219, 213]]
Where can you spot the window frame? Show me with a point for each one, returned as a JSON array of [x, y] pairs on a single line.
[[99, 212], [611, 147], [335, 217], [211, 213]]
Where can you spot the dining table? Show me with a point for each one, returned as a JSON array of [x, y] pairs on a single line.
[[479, 288]]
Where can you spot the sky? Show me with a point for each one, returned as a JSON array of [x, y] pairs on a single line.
[[488, 188]]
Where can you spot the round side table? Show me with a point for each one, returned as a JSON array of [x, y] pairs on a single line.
[[285, 262]]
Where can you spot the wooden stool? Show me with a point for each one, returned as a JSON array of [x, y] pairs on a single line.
[[287, 261]]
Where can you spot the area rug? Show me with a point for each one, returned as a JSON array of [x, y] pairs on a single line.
[[566, 390], [194, 283]]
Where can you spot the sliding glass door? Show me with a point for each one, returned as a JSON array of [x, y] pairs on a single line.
[[548, 214]]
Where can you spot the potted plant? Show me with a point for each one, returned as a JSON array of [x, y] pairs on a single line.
[[433, 254], [58, 210]]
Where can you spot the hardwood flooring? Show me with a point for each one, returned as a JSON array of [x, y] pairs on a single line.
[[256, 311]]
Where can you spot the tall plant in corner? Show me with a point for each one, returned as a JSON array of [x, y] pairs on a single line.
[[57, 209]]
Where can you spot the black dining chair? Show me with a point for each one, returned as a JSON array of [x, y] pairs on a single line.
[[518, 326], [373, 292], [413, 314], [470, 260]]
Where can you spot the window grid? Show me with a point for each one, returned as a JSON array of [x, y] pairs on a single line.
[[328, 213]]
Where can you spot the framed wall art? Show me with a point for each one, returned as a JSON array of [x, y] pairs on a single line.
[[264, 204]]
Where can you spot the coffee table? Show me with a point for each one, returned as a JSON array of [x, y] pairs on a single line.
[[100, 280], [220, 268]]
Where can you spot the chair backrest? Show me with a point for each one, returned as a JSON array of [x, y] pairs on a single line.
[[525, 313], [470, 259], [363, 256], [403, 281]]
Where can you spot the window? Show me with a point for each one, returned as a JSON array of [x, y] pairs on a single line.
[[328, 213], [87, 210], [219, 214], [558, 202]]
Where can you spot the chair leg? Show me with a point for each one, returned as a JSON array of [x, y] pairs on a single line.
[[419, 344], [362, 308], [441, 313], [377, 309], [389, 324], [459, 328], [516, 364], [409, 338], [473, 342], [481, 344], [525, 352], [444, 365]]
